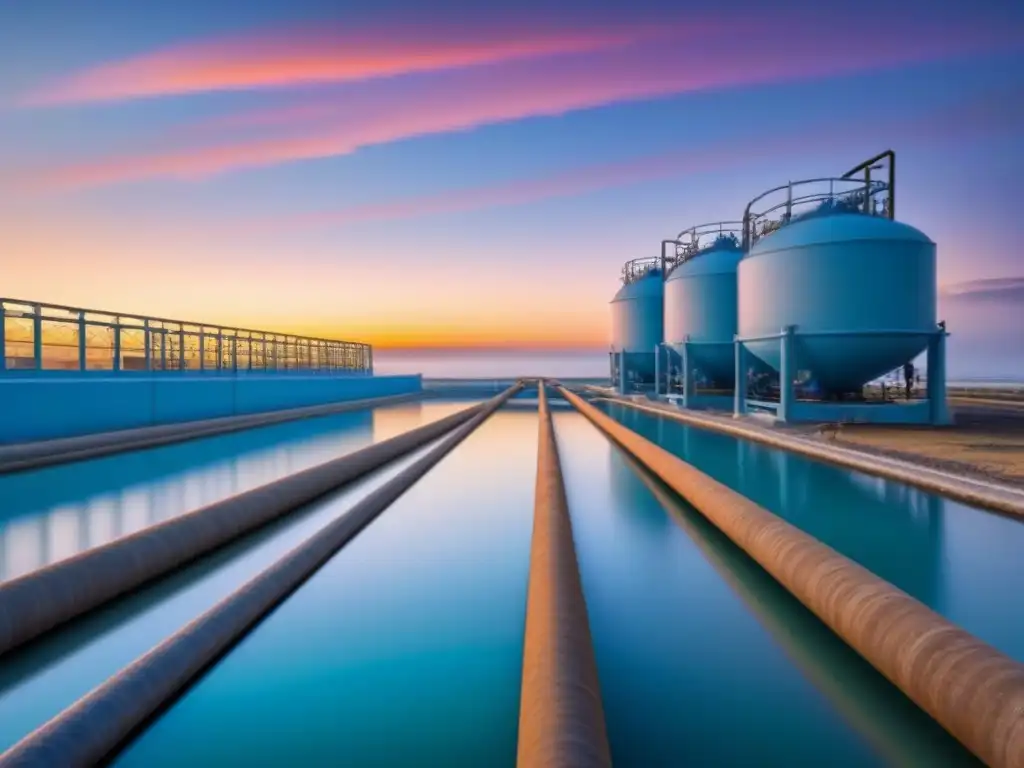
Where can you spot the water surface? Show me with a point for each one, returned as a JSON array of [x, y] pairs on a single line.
[[47, 676], [703, 659], [963, 562], [55, 512], [405, 649]]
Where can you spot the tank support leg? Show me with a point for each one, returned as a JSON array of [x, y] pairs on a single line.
[[740, 390], [937, 378], [622, 373], [657, 369], [687, 376], [785, 374]]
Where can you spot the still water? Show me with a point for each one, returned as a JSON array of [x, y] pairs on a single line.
[[55, 512], [47, 676], [963, 562], [704, 659], [405, 649]]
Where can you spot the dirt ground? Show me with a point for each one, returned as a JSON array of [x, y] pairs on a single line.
[[986, 440]]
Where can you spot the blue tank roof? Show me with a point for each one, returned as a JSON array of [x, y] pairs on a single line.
[[649, 286], [836, 228]]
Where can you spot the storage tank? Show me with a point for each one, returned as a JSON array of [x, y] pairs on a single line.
[[637, 316], [700, 298], [858, 286]]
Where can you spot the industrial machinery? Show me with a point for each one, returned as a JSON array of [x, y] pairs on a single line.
[[833, 292], [637, 323], [700, 313]]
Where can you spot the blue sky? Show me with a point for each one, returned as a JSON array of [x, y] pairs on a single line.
[[155, 160]]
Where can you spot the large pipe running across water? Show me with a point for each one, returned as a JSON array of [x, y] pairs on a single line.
[[95, 726], [862, 699], [44, 453], [561, 719], [44, 599], [974, 691]]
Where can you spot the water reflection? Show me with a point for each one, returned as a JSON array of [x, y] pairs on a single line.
[[622, 482], [901, 732], [892, 529], [404, 649], [961, 561], [687, 675], [39, 680], [56, 512]]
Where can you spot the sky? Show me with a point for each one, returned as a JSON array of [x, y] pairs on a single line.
[[473, 175]]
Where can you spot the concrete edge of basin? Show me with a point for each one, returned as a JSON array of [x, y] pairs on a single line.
[[988, 495], [20, 457]]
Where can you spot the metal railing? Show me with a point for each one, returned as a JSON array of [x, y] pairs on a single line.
[[637, 269], [704, 237], [38, 336], [814, 197], [819, 197]]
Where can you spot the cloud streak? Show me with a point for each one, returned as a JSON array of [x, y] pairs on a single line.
[[997, 111], [304, 56], [1005, 289], [461, 100]]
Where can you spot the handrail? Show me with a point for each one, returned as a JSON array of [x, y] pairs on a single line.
[[79, 338], [689, 243], [859, 197], [869, 165], [637, 269]]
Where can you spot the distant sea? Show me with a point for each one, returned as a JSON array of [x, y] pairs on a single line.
[[968, 364], [498, 365]]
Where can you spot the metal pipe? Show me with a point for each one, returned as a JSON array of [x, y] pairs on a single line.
[[864, 700], [974, 691], [44, 453], [92, 728], [561, 719], [44, 599]]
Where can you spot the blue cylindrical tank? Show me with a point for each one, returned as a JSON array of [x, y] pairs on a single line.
[[638, 316], [869, 279], [700, 303]]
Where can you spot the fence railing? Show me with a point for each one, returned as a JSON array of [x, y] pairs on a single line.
[[37, 336], [696, 240], [637, 269], [810, 197]]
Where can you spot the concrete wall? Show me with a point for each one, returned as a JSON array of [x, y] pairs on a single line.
[[43, 407]]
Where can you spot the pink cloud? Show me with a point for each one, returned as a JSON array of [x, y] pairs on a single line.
[[467, 99], [335, 54]]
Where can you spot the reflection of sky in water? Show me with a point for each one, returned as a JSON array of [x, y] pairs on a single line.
[[688, 676], [43, 678], [56, 512], [962, 562], [405, 649]]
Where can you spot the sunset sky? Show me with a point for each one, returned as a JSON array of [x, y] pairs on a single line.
[[464, 175]]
